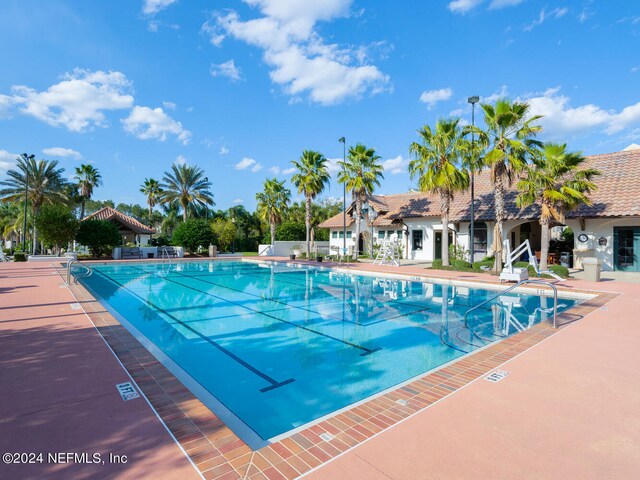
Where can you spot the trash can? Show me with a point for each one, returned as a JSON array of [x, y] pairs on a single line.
[[565, 259], [592, 267]]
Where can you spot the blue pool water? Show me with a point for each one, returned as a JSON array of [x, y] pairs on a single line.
[[281, 346]]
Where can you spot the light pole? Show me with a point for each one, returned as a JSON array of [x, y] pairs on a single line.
[[372, 217], [233, 242], [344, 199], [472, 100], [27, 158]]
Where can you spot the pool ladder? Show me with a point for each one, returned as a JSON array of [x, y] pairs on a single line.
[[87, 273]]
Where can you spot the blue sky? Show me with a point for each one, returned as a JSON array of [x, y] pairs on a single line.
[[240, 88]]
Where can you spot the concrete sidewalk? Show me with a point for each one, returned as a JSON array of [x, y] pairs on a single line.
[[58, 392]]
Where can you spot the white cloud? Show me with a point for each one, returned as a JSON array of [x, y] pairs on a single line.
[[300, 60], [226, 69], [238, 201], [332, 165], [7, 160], [275, 170], [635, 69], [146, 123], [223, 150], [61, 152], [289, 171], [502, 92], [77, 102], [180, 160], [396, 165], [544, 15], [169, 105], [151, 7], [431, 97], [497, 4], [560, 118], [463, 6], [248, 163]]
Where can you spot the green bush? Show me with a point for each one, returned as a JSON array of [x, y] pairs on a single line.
[[56, 225], [477, 266], [560, 270], [460, 264], [99, 236], [20, 257], [291, 232], [192, 234], [225, 232], [321, 234], [457, 252], [436, 264]]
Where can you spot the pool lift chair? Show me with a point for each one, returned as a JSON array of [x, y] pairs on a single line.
[[510, 273], [388, 253]]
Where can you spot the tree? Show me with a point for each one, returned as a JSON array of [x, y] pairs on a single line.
[[88, 178], [57, 225], [193, 233], [272, 202], [290, 232], [151, 189], [187, 186], [311, 180], [556, 182], [99, 236], [508, 136], [225, 232], [44, 180], [361, 173], [438, 168]]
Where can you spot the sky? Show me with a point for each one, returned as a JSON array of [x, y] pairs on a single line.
[[241, 88]]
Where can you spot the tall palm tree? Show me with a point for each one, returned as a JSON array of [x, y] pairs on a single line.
[[45, 185], [188, 186], [556, 182], [311, 179], [272, 202], [509, 138], [151, 189], [361, 173], [88, 178], [438, 168]]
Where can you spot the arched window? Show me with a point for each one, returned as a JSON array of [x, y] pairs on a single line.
[[479, 237]]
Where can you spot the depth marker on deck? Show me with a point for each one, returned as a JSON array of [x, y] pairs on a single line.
[[496, 376]]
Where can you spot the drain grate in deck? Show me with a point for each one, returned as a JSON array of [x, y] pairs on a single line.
[[75, 306], [126, 391], [496, 376], [327, 437]]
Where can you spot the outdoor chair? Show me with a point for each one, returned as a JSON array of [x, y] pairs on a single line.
[[131, 252], [167, 252]]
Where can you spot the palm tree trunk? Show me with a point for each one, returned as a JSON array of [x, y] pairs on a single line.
[[82, 205], [445, 231], [272, 226], [150, 212], [184, 211], [498, 195], [544, 243], [307, 221]]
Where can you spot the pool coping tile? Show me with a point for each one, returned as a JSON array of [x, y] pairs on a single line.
[[220, 454]]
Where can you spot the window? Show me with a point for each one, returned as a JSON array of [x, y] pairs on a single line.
[[479, 237], [381, 234], [341, 233], [348, 233], [399, 232], [334, 234], [416, 236]]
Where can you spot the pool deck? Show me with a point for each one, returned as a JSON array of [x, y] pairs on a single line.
[[567, 409]]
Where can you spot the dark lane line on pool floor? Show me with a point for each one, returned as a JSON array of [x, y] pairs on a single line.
[[274, 383]]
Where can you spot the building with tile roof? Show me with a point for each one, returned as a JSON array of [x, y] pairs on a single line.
[[132, 230], [608, 229]]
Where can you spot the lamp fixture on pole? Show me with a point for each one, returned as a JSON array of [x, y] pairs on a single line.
[[472, 100], [344, 199]]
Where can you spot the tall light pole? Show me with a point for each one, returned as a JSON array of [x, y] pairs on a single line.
[[233, 247], [27, 158], [343, 141], [472, 100]]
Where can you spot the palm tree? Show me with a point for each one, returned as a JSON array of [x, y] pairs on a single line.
[[88, 178], [188, 186], [438, 168], [151, 189], [556, 182], [361, 173], [272, 202], [44, 181], [311, 179], [508, 136]]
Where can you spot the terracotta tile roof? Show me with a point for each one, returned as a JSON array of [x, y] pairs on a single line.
[[130, 223], [618, 195], [336, 221]]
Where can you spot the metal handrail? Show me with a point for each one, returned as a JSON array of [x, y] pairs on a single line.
[[88, 273], [522, 282], [264, 250]]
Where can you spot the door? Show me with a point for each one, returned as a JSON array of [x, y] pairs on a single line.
[[437, 254], [626, 249]]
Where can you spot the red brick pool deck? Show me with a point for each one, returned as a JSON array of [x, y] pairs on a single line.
[[568, 408]]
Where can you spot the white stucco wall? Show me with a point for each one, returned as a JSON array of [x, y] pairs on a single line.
[[595, 228]]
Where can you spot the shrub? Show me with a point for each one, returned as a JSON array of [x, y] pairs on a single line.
[[436, 264], [160, 241], [192, 234], [100, 236], [20, 257], [477, 266], [56, 225], [225, 231], [460, 264], [321, 234], [291, 232], [457, 252], [560, 270]]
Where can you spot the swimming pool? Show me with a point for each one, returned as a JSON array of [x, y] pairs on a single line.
[[279, 346]]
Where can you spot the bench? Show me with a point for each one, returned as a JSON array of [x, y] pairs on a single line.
[[131, 252], [167, 252]]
